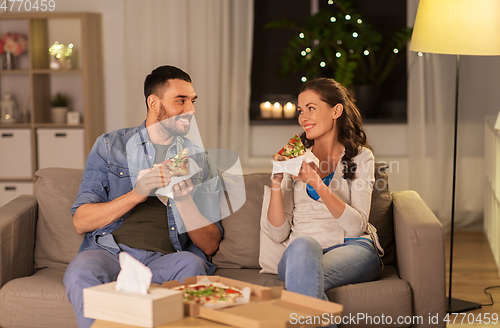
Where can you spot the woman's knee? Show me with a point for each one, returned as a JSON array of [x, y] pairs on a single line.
[[305, 245]]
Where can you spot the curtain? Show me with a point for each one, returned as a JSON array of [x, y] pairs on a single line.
[[209, 39], [431, 114]]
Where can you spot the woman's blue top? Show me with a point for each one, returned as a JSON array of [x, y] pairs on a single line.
[[312, 192]]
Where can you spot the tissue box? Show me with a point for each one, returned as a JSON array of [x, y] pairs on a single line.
[[159, 307]]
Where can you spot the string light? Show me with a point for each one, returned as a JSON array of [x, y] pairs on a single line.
[[301, 35], [322, 64], [420, 54], [338, 54], [354, 34], [366, 52], [360, 21], [303, 53], [395, 50], [347, 17], [351, 51], [304, 79], [339, 41], [308, 49], [333, 19], [330, 2]]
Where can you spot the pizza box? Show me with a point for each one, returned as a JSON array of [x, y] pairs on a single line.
[[159, 307], [287, 309]]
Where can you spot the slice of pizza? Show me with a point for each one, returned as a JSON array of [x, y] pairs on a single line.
[[177, 165], [213, 293], [294, 148]]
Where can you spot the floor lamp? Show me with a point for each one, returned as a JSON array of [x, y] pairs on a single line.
[[457, 27]]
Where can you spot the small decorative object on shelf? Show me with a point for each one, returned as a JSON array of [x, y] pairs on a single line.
[[265, 109], [289, 110], [277, 110], [11, 46], [9, 108], [61, 56], [59, 108], [73, 118]]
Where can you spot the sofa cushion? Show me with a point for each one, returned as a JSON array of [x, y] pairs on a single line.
[[240, 246], [36, 301], [56, 239], [381, 213]]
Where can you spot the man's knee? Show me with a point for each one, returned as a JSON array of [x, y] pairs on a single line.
[[91, 267]]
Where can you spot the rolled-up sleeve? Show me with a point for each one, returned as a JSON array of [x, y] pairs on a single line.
[[95, 183]]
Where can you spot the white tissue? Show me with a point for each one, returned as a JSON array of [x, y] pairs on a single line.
[[134, 277], [293, 165]]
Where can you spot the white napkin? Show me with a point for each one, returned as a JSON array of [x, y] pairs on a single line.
[[293, 165], [134, 277], [167, 190]]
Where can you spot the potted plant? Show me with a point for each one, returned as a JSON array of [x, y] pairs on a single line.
[[59, 104], [343, 45]]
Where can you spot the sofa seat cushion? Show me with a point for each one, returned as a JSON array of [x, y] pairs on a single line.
[[364, 298], [26, 302]]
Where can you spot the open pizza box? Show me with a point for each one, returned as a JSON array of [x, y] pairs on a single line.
[[266, 308], [159, 307]]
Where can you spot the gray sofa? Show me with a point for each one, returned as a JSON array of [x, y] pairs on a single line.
[[37, 241]]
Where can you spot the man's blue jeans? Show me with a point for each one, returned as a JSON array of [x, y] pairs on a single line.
[[307, 269], [97, 266]]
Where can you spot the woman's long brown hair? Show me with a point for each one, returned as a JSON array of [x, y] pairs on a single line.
[[350, 127]]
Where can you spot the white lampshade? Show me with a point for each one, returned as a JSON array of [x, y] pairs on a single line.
[[457, 27]]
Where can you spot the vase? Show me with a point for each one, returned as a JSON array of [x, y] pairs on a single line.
[[8, 61], [59, 115]]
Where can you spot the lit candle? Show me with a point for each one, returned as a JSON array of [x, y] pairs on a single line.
[[265, 109], [289, 110], [277, 110]]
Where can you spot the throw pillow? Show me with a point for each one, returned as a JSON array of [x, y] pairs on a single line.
[[270, 252]]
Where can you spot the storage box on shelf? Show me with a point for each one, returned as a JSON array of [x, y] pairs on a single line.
[[33, 141]]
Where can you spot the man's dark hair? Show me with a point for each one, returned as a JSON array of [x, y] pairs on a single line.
[[157, 81]]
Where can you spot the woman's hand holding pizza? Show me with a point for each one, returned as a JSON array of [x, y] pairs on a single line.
[[308, 174]]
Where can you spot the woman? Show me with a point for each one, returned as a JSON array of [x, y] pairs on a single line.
[[325, 216]]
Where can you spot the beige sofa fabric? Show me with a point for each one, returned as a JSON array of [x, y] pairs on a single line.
[[240, 246], [56, 239], [17, 236]]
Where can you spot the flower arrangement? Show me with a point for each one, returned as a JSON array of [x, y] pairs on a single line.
[[14, 43]]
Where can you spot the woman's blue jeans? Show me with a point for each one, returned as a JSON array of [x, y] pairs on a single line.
[[309, 270]]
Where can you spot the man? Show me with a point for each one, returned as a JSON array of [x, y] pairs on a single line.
[[116, 206]]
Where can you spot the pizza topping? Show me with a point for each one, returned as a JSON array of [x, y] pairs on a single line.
[[294, 148], [178, 165], [213, 293]]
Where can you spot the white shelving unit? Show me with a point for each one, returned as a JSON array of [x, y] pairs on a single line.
[[28, 146]]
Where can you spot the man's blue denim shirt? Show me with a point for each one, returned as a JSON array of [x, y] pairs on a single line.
[[111, 171]]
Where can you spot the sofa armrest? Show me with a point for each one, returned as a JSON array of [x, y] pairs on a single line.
[[17, 238], [419, 238]]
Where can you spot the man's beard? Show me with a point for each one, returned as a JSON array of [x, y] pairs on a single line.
[[171, 125]]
